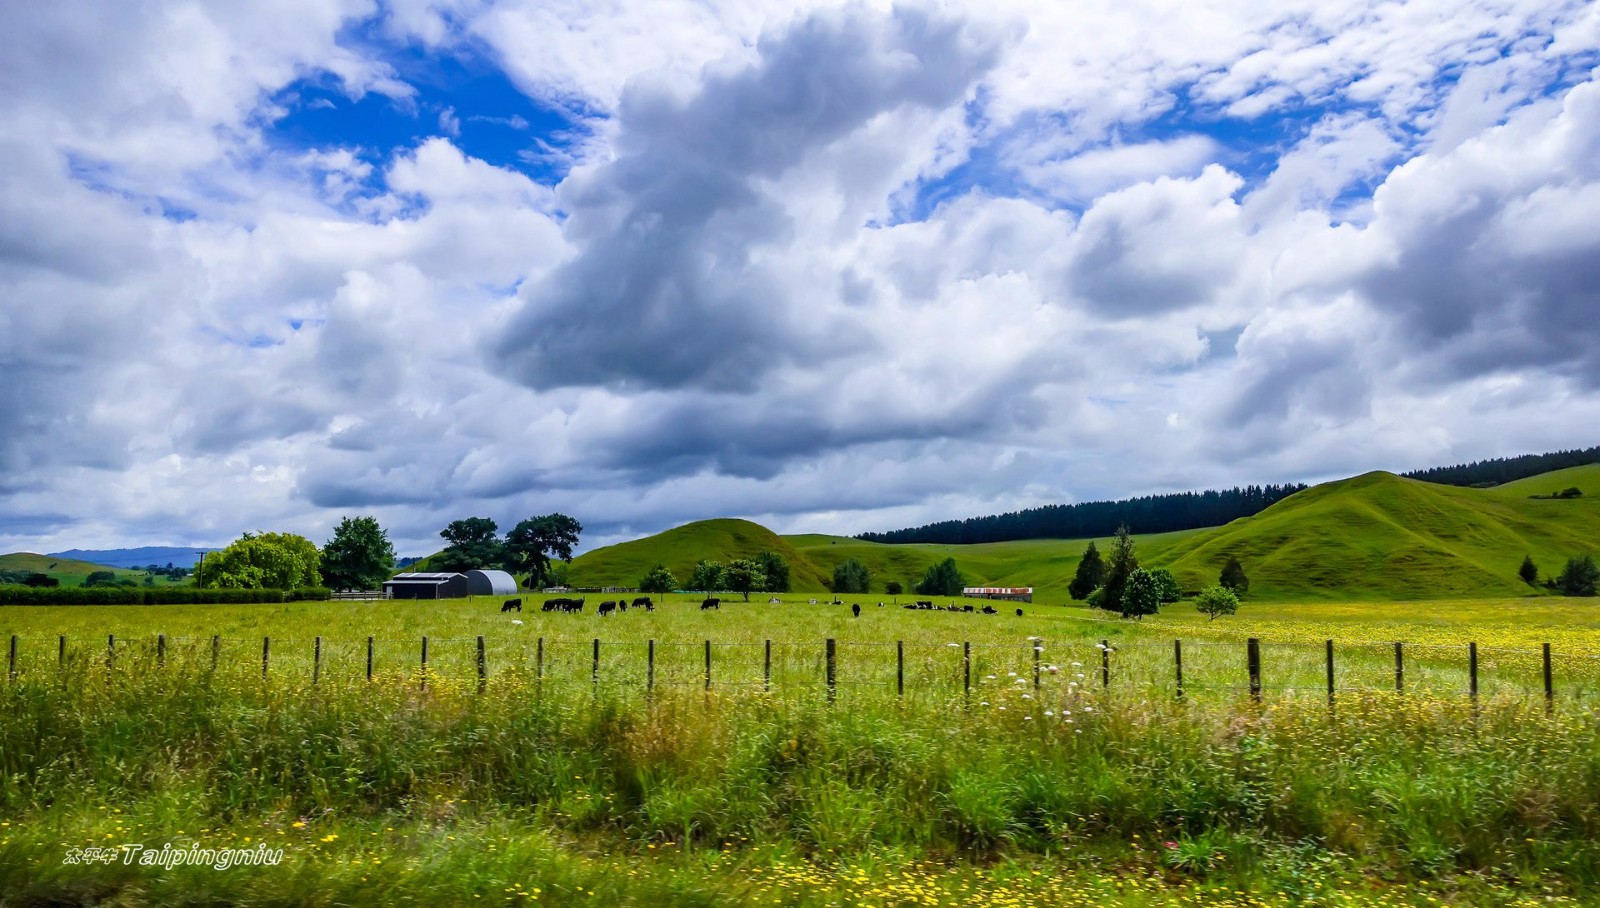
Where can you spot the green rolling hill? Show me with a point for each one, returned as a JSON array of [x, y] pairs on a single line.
[[66, 570], [1372, 537], [679, 548]]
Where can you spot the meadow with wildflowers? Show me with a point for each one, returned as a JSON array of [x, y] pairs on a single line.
[[1008, 772]]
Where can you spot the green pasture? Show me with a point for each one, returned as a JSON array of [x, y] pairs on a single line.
[[552, 782]]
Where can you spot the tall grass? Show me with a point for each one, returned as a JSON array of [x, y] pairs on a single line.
[[1065, 793]]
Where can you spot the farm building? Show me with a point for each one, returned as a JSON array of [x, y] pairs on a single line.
[[1011, 593], [491, 583], [426, 586]]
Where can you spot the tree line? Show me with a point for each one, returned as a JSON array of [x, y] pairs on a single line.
[[1498, 470], [1151, 513]]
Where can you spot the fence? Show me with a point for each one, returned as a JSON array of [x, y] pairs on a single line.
[[1180, 669]]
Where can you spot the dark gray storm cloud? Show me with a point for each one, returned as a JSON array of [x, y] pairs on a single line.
[[1495, 261], [668, 289]]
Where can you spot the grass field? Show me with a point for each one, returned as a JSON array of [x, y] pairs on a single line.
[[549, 787]]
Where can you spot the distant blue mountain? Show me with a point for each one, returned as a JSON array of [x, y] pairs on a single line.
[[179, 556]]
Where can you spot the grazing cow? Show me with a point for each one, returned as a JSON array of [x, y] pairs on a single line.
[[924, 603], [855, 609], [622, 605], [569, 606], [512, 605], [990, 610], [645, 603], [966, 608], [711, 603], [1019, 613], [607, 607]]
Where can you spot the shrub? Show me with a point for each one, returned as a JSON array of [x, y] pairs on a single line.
[[1233, 577], [1579, 577], [1141, 595], [1217, 600]]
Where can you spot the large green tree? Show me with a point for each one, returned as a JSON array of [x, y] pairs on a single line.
[[707, 576], [1141, 595], [274, 561], [658, 580], [743, 575], [474, 544], [1167, 585], [534, 543], [358, 557], [776, 571], [851, 576], [1091, 574], [1120, 566], [942, 579]]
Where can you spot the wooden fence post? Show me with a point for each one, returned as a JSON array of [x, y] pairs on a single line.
[[1399, 668], [1105, 664], [216, 651], [266, 653], [369, 657], [1177, 664], [316, 662], [1472, 675], [830, 663], [111, 654], [538, 665], [161, 650], [11, 664], [61, 652], [900, 668], [966, 670], [424, 676], [650, 667], [708, 665], [766, 669], [1253, 663], [1330, 673], [1549, 683], [1038, 651], [483, 666], [594, 668]]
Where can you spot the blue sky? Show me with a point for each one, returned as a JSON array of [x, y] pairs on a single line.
[[832, 267]]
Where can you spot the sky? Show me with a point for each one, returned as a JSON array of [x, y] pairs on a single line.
[[832, 267]]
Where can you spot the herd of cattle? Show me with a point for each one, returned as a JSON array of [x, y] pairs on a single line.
[[574, 606]]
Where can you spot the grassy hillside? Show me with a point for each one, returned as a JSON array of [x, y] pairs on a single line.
[[66, 570], [1376, 536], [679, 548], [1381, 536], [1585, 479]]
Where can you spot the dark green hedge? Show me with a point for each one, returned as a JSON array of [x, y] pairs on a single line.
[[113, 595]]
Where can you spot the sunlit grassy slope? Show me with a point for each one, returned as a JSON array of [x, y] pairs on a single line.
[[66, 570], [679, 548], [1371, 537]]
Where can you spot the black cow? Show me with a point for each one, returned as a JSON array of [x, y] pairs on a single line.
[[924, 603], [990, 610], [563, 605], [855, 609], [711, 603], [645, 603], [512, 605], [607, 607], [1019, 613], [966, 608]]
